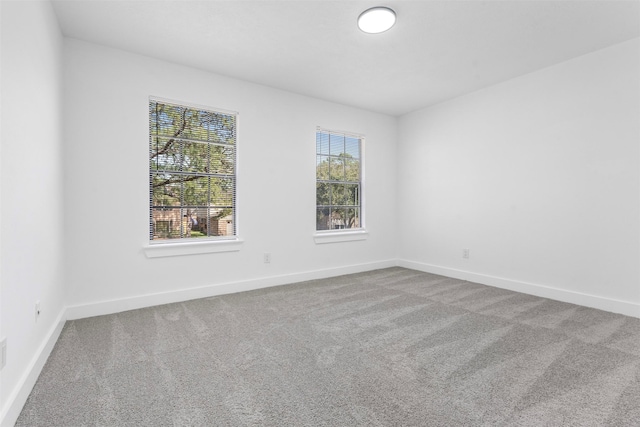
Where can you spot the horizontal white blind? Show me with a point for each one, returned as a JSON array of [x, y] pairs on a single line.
[[192, 172]]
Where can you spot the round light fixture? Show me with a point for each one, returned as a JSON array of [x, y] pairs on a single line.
[[376, 20]]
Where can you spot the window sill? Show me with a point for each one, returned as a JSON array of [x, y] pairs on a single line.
[[191, 248], [340, 236]]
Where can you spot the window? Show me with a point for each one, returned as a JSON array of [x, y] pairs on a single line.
[[192, 172], [338, 181]]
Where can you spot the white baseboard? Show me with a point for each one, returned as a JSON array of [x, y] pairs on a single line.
[[18, 397], [593, 301], [132, 303]]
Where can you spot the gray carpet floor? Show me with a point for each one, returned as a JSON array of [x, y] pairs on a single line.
[[392, 347]]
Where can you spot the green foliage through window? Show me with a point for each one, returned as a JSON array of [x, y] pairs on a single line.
[[192, 163], [338, 181]]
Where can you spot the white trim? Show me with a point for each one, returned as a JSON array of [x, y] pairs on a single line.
[[602, 303], [158, 250], [340, 236], [18, 396], [149, 300]]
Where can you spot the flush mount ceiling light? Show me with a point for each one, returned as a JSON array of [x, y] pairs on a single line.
[[376, 20]]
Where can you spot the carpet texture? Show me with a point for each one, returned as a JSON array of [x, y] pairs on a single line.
[[392, 347]]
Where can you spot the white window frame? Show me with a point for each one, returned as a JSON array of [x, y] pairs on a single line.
[[351, 234], [197, 245]]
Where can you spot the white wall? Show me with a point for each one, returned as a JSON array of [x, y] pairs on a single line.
[[538, 176], [32, 196], [106, 181]]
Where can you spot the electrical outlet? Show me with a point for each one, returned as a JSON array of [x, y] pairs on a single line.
[[267, 258], [3, 352], [37, 310], [465, 253]]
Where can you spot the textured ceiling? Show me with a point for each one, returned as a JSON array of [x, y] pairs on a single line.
[[436, 51]]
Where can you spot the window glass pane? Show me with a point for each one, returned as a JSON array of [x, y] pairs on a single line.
[[208, 126], [322, 143], [336, 144], [166, 223], [220, 222], [322, 167], [195, 157], [352, 169], [165, 154], [337, 195], [222, 192], [197, 221], [165, 119], [192, 126], [337, 219], [217, 127], [322, 219], [351, 195], [352, 218], [195, 189], [336, 169], [166, 190], [352, 147], [222, 159], [323, 194]]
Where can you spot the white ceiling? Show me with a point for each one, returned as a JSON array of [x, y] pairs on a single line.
[[436, 51]]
